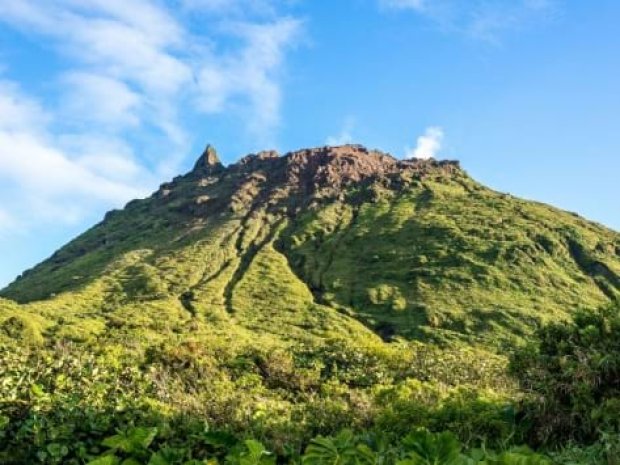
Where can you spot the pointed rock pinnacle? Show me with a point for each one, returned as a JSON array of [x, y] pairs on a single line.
[[208, 161]]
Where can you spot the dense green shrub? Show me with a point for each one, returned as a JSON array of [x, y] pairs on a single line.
[[137, 446], [57, 403], [605, 451], [182, 402], [573, 377]]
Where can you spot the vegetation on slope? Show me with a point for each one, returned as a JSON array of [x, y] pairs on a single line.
[[183, 402], [410, 249], [452, 259], [573, 369], [285, 298]]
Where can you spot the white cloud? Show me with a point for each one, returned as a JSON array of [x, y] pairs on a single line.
[[101, 99], [261, 8], [139, 62], [40, 167], [34, 165], [8, 223], [428, 145], [249, 78], [115, 46], [104, 156], [345, 136], [404, 4], [18, 112], [132, 72], [480, 19]]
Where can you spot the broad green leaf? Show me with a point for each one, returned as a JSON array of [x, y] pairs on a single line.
[[142, 437], [158, 459], [37, 390], [105, 460], [426, 448], [131, 461], [255, 448]]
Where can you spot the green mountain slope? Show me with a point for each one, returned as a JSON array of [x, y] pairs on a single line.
[[318, 241], [283, 297]]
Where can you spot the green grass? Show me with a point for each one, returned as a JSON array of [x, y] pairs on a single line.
[[451, 260]]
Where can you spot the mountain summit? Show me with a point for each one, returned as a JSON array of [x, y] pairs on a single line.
[[329, 240], [208, 161]]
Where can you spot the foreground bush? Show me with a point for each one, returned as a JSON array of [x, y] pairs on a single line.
[[573, 377], [421, 447], [182, 403], [57, 403]]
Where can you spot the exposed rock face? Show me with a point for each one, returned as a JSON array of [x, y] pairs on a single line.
[[321, 172], [208, 162], [293, 180], [332, 168], [254, 157]]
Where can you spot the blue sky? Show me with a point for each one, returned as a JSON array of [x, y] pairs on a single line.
[[102, 100]]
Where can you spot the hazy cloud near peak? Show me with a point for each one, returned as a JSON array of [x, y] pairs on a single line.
[[428, 145], [345, 136]]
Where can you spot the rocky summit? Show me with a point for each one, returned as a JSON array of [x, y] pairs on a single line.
[[319, 241]]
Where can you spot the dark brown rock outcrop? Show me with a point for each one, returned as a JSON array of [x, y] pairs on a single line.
[[291, 181]]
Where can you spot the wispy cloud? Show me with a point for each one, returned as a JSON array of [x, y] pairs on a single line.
[[129, 68], [248, 78], [100, 99], [139, 62], [41, 168], [8, 224], [404, 4], [18, 112], [480, 19], [47, 177], [428, 145], [233, 7]]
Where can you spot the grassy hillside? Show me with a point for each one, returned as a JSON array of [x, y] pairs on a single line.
[[284, 297], [322, 239], [453, 259]]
